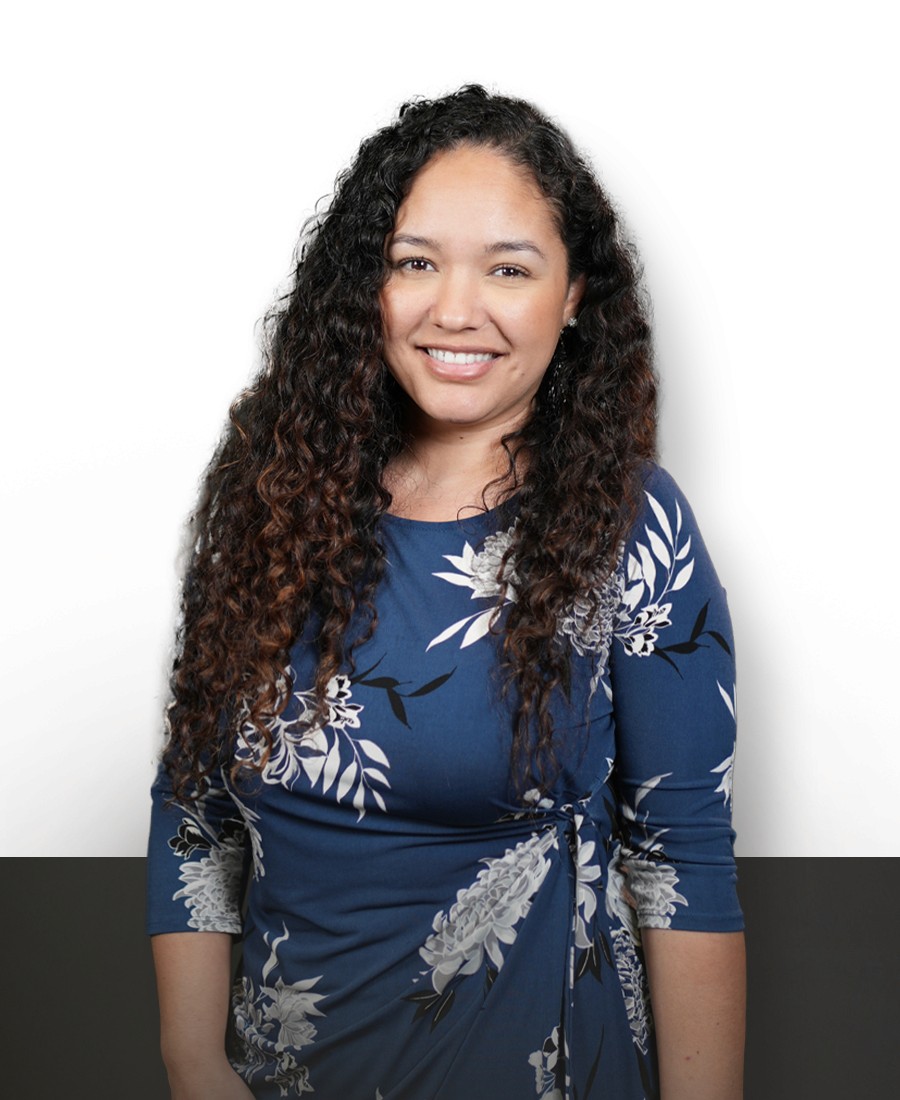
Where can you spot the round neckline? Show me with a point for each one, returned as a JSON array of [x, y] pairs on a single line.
[[437, 524]]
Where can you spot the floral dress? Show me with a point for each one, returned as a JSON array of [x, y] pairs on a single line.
[[411, 927]]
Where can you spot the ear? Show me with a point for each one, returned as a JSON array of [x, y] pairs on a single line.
[[573, 297]]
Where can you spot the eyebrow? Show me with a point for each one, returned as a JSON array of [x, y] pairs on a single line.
[[491, 250]]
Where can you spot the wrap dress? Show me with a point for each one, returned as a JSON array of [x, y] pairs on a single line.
[[412, 925]]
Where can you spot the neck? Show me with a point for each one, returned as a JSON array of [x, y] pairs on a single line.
[[444, 472]]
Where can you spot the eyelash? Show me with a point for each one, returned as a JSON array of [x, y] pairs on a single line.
[[406, 265]]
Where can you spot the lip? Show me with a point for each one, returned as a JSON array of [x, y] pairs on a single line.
[[460, 372]]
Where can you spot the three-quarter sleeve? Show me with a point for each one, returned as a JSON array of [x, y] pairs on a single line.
[[197, 860], [672, 677]]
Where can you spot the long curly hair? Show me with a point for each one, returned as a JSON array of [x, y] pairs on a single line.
[[286, 533]]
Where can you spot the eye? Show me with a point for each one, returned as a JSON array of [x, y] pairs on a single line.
[[510, 271], [414, 263]]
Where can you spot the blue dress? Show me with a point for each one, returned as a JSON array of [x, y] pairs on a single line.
[[413, 929]]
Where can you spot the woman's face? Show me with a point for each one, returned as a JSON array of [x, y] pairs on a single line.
[[477, 293]]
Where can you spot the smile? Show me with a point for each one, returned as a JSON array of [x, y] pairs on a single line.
[[460, 358]]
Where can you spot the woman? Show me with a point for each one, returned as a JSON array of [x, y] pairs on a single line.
[[455, 688]]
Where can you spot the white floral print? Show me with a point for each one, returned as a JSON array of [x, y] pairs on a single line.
[[484, 916], [212, 887], [655, 569], [726, 768], [633, 983], [651, 882], [652, 885], [276, 1020], [481, 573], [322, 753], [587, 878], [548, 1063]]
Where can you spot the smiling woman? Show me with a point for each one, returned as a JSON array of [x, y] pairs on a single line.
[[452, 720], [478, 292]]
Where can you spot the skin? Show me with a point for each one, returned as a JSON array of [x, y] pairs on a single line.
[[477, 265], [456, 284]]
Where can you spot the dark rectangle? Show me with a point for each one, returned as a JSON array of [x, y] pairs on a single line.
[[824, 980]]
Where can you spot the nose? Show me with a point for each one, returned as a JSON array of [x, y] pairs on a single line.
[[457, 301]]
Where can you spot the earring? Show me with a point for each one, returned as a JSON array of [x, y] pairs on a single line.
[[572, 322]]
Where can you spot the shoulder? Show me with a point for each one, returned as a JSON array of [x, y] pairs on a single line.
[[662, 496]]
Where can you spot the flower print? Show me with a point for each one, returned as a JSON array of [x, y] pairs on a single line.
[[587, 874], [341, 712], [640, 638], [549, 1064], [273, 1023], [481, 572], [289, 1076], [212, 888], [726, 783], [325, 754], [485, 914], [658, 565], [588, 623], [652, 885], [633, 984], [251, 822], [188, 839], [620, 904], [289, 1006]]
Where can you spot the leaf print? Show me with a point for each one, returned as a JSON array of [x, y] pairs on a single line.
[[398, 708], [659, 548], [661, 517], [432, 685], [374, 773], [304, 748], [332, 763], [451, 630], [684, 575], [373, 751], [700, 622], [648, 568], [347, 778], [479, 628], [454, 578], [726, 768], [646, 788], [728, 700], [643, 613], [725, 787]]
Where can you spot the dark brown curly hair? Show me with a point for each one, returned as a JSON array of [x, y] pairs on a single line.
[[286, 532]]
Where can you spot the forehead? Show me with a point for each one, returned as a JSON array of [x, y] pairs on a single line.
[[475, 191]]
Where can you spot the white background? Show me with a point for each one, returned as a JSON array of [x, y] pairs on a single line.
[[160, 159]]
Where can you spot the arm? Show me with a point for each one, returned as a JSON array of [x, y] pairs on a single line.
[[697, 989], [672, 673], [193, 975], [196, 861]]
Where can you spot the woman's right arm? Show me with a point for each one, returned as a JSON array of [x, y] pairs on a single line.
[[193, 976], [197, 858]]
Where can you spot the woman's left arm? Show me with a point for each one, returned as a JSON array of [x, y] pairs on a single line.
[[697, 989], [672, 678]]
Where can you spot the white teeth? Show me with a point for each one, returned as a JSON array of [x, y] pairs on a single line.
[[459, 358]]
